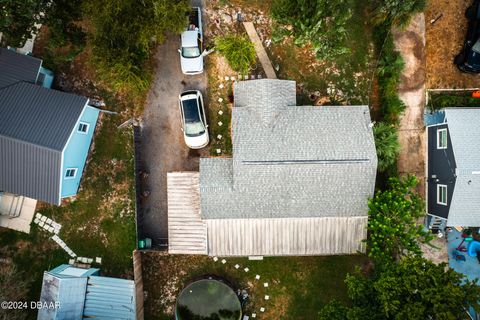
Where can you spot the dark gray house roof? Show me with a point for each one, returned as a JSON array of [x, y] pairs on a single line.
[[35, 125], [16, 67], [290, 161], [463, 126]]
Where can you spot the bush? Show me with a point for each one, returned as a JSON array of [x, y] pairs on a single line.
[[388, 147], [238, 50], [396, 12], [438, 101], [320, 23]]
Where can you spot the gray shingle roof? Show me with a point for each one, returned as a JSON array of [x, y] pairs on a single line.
[[463, 126], [17, 67], [292, 161], [35, 124]]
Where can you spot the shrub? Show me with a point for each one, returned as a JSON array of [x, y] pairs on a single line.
[[396, 12], [321, 23], [388, 147], [238, 50], [439, 101], [393, 221]]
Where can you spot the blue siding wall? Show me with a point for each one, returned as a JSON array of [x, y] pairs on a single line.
[[76, 152]]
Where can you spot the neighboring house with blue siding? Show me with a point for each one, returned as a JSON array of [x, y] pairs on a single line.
[[453, 170], [45, 134], [83, 294]]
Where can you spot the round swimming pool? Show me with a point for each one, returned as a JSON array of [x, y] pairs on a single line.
[[208, 299]]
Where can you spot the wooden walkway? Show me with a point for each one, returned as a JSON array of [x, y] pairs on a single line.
[[260, 50]]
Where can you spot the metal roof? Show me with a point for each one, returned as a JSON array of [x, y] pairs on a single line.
[[35, 125], [86, 296], [68, 291], [109, 298], [38, 115], [290, 161], [463, 126], [17, 67]]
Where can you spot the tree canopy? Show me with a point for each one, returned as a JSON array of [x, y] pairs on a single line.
[[393, 221], [414, 288]]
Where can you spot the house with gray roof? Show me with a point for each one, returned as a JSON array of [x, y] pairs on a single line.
[[45, 135], [298, 182], [453, 169]]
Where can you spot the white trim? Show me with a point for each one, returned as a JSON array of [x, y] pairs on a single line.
[[440, 186], [83, 123], [75, 170], [439, 131]]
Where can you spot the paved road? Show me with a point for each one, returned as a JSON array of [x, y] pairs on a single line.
[[163, 148]]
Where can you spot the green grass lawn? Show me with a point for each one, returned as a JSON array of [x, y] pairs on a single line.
[[298, 286], [100, 223]]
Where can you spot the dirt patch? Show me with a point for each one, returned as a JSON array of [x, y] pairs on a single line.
[[410, 43], [444, 41]]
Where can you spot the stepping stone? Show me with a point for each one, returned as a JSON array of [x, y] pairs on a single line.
[[252, 77], [43, 218], [221, 86], [232, 78], [257, 277], [265, 284], [49, 221], [259, 76], [267, 297], [237, 266], [215, 259], [246, 269], [262, 309], [41, 224], [219, 151], [98, 260], [220, 99], [36, 220], [71, 254], [220, 123], [38, 215], [50, 229], [227, 78], [71, 261], [219, 137], [220, 112], [254, 315], [89, 260], [224, 261]]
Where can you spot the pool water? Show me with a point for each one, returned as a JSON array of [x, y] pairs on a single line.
[[208, 299]]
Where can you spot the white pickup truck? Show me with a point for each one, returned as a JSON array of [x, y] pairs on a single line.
[[191, 54]]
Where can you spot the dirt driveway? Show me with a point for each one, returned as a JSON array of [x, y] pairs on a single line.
[[444, 41], [163, 147]]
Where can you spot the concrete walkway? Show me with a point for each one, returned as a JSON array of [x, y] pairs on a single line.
[[260, 50]]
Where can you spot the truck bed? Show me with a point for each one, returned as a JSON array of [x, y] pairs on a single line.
[[193, 19]]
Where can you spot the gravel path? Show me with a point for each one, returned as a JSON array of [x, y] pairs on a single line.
[[163, 147]]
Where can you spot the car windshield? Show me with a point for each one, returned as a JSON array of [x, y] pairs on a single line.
[[190, 52], [193, 124]]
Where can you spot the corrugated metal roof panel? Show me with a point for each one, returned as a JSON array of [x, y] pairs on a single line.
[[39, 115], [109, 298], [30, 170], [15, 67]]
